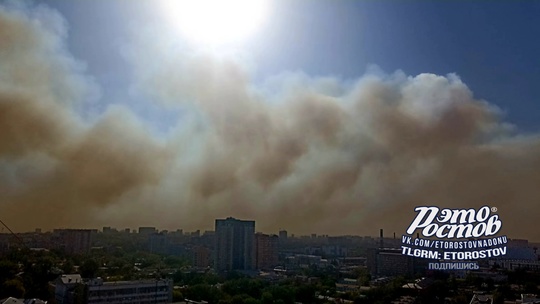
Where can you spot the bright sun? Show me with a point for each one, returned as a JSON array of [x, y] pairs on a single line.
[[216, 22]]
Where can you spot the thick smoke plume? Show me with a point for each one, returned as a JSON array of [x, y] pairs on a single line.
[[311, 155]]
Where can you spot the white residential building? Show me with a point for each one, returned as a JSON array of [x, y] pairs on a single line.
[[95, 291]]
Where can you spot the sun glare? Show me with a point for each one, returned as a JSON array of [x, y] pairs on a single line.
[[216, 22]]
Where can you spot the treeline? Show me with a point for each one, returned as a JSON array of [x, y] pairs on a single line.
[[26, 273], [217, 290]]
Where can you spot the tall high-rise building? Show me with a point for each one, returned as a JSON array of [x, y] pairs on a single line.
[[389, 262], [235, 244], [201, 256], [73, 240], [158, 243], [266, 250]]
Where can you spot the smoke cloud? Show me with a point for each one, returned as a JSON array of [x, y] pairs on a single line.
[[307, 154]]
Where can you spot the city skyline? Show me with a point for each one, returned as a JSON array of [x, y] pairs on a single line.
[[123, 115], [376, 234]]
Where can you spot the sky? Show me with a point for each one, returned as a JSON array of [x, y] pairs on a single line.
[[332, 117]]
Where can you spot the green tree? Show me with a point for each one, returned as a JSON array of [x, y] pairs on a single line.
[[8, 270], [362, 275], [177, 296], [89, 268], [37, 274], [128, 272], [68, 267], [251, 300], [251, 287], [283, 293], [267, 298], [175, 262], [203, 292], [305, 294], [12, 288]]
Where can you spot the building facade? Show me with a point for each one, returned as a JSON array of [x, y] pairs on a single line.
[[266, 251], [389, 262], [69, 290], [235, 245], [201, 256], [72, 241], [158, 243]]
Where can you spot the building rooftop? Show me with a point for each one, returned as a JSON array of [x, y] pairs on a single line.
[[11, 300], [481, 299], [71, 278]]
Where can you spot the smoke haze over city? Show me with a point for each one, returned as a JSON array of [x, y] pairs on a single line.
[[295, 151]]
